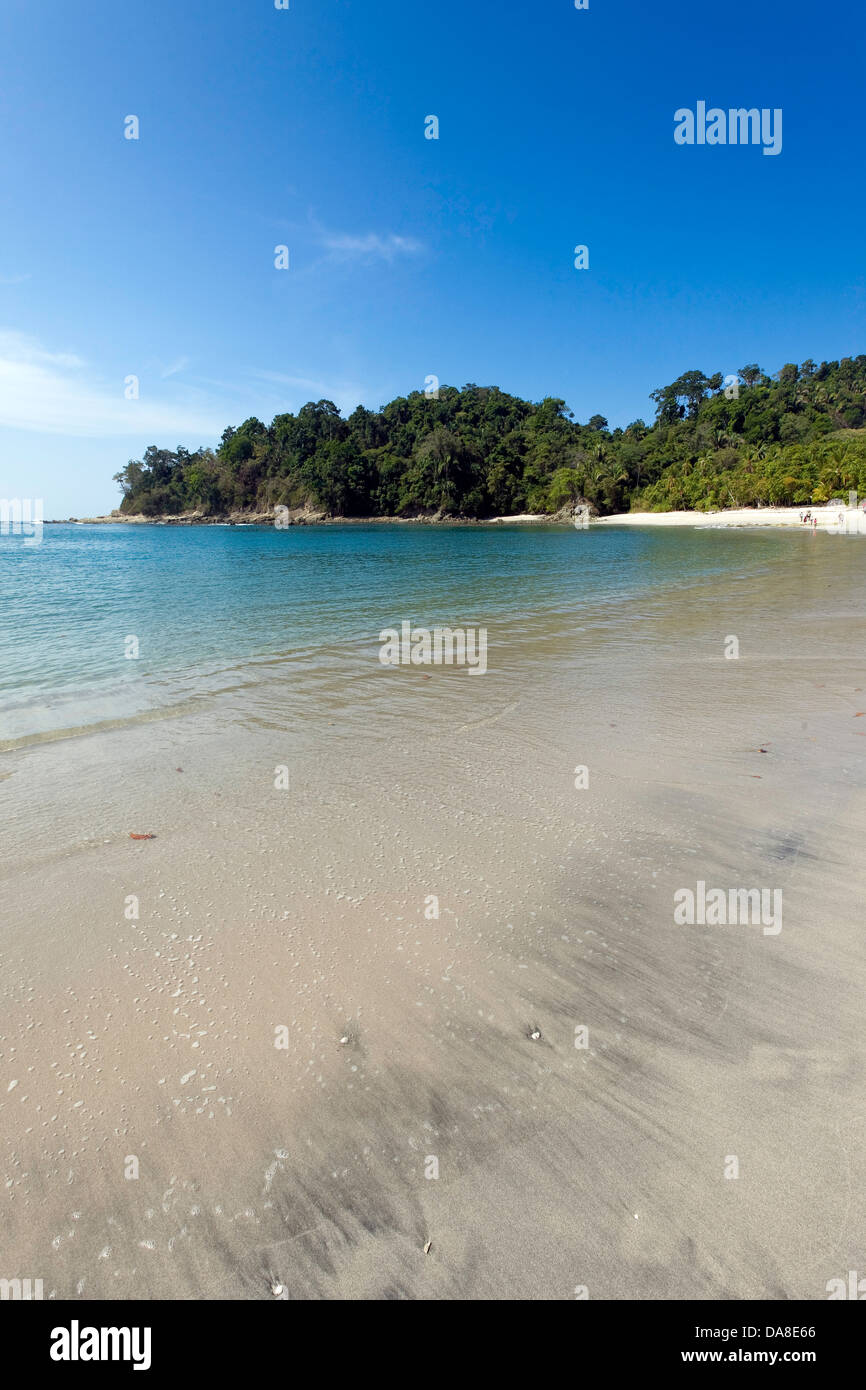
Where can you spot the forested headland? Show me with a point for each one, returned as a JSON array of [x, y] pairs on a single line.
[[798, 436]]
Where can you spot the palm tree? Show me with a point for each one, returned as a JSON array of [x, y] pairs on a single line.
[[442, 447]]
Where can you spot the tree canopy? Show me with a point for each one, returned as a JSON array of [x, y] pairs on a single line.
[[796, 437]]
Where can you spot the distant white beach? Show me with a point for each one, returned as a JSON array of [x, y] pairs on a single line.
[[828, 518]]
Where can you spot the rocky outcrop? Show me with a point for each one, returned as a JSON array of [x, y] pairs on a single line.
[[307, 516]]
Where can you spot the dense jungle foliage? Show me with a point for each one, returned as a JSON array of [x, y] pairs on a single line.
[[796, 437]]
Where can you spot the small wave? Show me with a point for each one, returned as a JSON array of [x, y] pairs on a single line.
[[149, 716]]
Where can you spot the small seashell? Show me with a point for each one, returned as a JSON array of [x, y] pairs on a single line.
[[427, 1247], [277, 1290]]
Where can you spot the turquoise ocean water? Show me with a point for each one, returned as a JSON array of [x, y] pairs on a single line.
[[206, 604]]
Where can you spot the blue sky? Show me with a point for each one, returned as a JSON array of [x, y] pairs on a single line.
[[409, 257]]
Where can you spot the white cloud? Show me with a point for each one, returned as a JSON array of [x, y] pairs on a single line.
[[345, 394], [301, 383], [53, 393], [179, 365], [370, 247], [26, 349]]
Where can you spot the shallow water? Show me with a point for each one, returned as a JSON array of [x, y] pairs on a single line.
[[215, 610], [305, 907]]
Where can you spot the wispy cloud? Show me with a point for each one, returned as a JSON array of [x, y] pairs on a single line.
[[180, 365], [13, 279], [345, 394], [300, 383], [371, 247], [56, 393], [24, 349]]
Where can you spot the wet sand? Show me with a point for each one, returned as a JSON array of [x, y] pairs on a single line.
[[560, 1167]]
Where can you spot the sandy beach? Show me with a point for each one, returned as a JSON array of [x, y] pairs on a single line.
[[844, 519], [248, 1051]]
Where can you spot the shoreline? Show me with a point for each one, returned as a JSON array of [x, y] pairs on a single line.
[[836, 518]]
